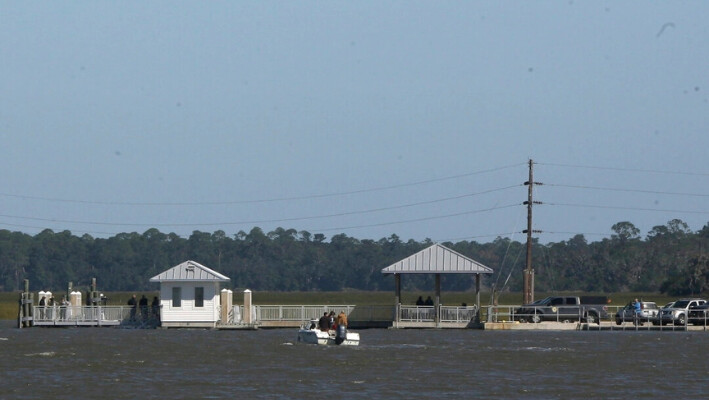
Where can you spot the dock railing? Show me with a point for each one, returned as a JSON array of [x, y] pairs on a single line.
[[509, 313], [299, 313], [452, 314], [83, 315]]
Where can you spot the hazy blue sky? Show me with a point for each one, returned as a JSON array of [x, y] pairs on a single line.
[[414, 118]]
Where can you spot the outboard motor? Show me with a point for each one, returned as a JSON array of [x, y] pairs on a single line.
[[340, 334]]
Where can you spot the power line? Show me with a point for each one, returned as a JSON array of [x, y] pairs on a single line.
[[418, 219], [626, 208], [502, 234], [628, 190], [577, 233], [266, 220], [267, 200], [654, 171]]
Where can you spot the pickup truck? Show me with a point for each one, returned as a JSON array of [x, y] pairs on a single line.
[[589, 309], [699, 315], [679, 312]]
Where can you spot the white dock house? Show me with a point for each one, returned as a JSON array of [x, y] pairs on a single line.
[[189, 296]]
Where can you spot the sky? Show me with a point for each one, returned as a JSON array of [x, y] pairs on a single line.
[[368, 118]]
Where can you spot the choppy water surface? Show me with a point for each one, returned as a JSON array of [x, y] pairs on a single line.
[[111, 363]]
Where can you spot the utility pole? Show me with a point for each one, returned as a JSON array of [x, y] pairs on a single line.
[[528, 270]]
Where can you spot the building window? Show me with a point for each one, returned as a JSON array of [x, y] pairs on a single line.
[[177, 297], [199, 297]]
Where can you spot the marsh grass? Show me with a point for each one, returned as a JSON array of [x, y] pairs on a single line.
[[9, 306]]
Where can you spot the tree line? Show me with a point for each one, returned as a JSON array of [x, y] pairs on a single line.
[[670, 259]]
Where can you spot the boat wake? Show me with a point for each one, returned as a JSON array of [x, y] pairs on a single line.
[[42, 354]]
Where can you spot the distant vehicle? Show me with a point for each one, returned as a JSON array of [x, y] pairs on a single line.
[[699, 315], [668, 305], [589, 309], [648, 313], [678, 312]]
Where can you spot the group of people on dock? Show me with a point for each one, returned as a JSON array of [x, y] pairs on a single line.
[[422, 302], [47, 307], [329, 322], [142, 305]]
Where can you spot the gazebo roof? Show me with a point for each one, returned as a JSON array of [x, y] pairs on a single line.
[[437, 259], [189, 271]]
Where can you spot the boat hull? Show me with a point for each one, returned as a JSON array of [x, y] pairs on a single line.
[[316, 336]]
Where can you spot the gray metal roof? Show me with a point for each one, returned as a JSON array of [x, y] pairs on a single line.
[[437, 259], [189, 271]]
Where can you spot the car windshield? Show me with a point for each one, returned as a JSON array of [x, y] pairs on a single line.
[[680, 304], [650, 306], [542, 301]]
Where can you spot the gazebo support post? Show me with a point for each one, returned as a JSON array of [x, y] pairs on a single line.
[[438, 301], [477, 298], [397, 297]]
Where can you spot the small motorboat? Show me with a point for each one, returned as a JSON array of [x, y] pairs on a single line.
[[309, 333]]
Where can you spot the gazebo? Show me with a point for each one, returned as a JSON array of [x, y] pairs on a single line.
[[436, 259]]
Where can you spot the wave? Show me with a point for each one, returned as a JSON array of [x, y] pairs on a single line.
[[42, 354]]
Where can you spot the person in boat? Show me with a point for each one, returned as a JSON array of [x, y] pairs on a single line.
[[341, 329], [342, 319], [324, 322], [331, 320]]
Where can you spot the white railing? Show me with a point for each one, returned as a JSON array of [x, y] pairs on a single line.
[[509, 313], [417, 313], [88, 314], [457, 314], [296, 313]]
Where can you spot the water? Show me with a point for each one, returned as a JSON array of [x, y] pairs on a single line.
[[112, 363]]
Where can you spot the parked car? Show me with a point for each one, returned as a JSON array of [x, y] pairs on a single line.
[[699, 315], [648, 313], [678, 312]]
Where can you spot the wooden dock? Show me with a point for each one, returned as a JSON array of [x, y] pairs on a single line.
[[275, 316]]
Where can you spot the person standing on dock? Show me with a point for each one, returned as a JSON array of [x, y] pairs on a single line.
[[133, 303], [143, 307], [638, 310], [52, 304], [42, 306], [63, 307], [155, 306]]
